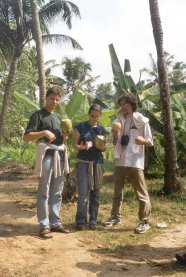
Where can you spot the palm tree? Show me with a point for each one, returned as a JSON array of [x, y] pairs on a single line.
[[178, 73], [171, 175], [16, 33], [76, 72], [40, 54], [175, 70]]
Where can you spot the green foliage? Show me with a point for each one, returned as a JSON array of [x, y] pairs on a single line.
[[27, 72], [19, 153], [106, 93]]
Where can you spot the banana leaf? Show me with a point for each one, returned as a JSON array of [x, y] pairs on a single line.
[[26, 101], [119, 80], [78, 105], [106, 117], [155, 122], [127, 66]]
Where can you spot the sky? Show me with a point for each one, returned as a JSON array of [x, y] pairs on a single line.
[[127, 25]]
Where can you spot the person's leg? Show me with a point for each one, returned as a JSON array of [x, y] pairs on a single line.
[[93, 207], [43, 192], [95, 195], [55, 198], [119, 181], [83, 190], [136, 177]]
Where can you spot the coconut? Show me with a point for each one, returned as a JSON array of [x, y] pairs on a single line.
[[100, 142], [66, 126], [116, 126]]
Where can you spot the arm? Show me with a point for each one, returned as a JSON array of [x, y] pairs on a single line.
[[142, 141], [81, 146], [31, 136], [115, 135], [116, 130], [146, 139]]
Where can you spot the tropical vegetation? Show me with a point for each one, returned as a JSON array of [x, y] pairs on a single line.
[[16, 31], [19, 90]]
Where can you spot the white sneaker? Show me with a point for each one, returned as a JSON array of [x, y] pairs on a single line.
[[142, 227], [112, 221]]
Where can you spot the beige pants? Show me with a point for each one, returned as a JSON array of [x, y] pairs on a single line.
[[136, 178]]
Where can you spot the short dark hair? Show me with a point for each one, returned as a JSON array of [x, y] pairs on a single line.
[[95, 107], [129, 99], [56, 90]]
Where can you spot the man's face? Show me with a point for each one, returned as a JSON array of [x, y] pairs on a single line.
[[126, 108], [52, 101]]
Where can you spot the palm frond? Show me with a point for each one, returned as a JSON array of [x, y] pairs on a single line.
[[60, 39], [57, 10]]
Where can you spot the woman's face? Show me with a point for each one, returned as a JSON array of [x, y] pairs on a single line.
[[94, 117]]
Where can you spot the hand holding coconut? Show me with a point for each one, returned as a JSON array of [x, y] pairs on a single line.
[[140, 140]]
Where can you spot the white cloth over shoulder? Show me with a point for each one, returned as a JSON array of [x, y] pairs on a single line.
[[138, 119], [41, 149]]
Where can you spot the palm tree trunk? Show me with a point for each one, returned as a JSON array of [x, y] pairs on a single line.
[[171, 175], [40, 55], [8, 91]]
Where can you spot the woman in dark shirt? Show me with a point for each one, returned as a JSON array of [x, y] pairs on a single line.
[[89, 167]]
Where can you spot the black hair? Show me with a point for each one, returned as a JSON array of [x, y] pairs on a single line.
[[56, 90], [95, 107], [129, 99]]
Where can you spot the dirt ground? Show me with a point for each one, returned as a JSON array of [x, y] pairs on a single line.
[[24, 254]]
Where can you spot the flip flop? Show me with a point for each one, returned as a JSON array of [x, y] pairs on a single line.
[[45, 233]]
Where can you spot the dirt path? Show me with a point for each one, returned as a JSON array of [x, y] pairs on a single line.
[[24, 254]]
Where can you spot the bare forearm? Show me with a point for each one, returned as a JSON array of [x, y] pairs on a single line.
[[142, 141], [31, 136]]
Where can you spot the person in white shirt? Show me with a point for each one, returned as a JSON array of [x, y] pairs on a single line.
[[131, 133]]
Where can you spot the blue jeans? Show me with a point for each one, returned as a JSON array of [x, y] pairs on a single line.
[[49, 197], [83, 195]]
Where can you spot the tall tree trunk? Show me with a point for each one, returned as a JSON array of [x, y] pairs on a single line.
[[40, 55], [8, 90], [13, 67], [171, 175]]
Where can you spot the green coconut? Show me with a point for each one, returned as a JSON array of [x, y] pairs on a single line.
[[100, 142], [66, 126]]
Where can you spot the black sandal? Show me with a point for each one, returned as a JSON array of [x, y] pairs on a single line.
[[45, 233]]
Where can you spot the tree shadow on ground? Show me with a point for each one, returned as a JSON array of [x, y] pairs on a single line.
[[132, 269], [136, 260], [14, 230]]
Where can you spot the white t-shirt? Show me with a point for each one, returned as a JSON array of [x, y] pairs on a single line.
[[133, 155]]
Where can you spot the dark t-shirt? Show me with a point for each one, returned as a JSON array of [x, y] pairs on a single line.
[[88, 133], [44, 120]]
